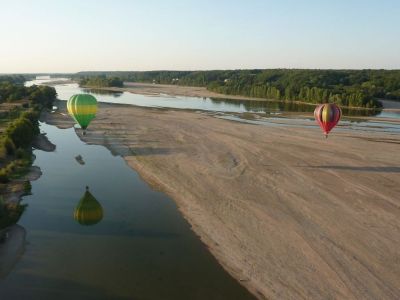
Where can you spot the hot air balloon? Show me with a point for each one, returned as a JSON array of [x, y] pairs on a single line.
[[327, 115], [89, 210], [83, 108]]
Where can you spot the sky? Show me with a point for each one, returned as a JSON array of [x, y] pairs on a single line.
[[87, 35]]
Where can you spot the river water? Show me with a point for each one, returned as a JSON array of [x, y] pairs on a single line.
[[269, 113], [65, 91]]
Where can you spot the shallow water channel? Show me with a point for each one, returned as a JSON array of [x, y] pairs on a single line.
[[142, 247]]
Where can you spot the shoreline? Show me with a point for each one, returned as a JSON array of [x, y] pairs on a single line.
[[219, 177], [15, 189], [155, 90]]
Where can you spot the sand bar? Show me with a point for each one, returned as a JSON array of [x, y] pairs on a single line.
[[290, 214]]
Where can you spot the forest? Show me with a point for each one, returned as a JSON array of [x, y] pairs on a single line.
[[19, 114], [101, 81], [353, 88], [12, 89]]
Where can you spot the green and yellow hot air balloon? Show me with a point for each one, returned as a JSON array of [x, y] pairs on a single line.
[[83, 108], [89, 210]]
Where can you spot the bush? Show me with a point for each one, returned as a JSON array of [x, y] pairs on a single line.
[[6, 148], [33, 117], [21, 131], [4, 176], [11, 167], [10, 213], [42, 95], [9, 145], [3, 152], [27, 188], [20, 153]]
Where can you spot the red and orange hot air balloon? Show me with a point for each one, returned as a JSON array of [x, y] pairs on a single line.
[[327, 115]]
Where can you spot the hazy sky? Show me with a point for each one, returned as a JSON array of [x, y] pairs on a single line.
[[71, 36]]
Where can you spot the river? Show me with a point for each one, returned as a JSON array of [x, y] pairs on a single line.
[[267, 113]]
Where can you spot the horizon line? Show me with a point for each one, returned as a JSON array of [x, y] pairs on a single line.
[[205, 70]]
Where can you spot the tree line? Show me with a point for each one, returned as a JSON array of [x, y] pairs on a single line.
[[354, 88], [101, 81], [40, 95]]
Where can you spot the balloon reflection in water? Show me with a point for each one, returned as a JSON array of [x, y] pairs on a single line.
[[88, 211]]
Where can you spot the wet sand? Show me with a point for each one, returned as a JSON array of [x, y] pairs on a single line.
[[150, 89], [177, 90], [290, 214]]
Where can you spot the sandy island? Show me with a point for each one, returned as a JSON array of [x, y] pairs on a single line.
[[288, 213], [174, 90]]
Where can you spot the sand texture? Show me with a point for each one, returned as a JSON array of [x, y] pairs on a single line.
[[290, 214]]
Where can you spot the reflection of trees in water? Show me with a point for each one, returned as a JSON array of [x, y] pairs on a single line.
[[360, 112], [12, 247], [10, 213], [12, 237], [282, 106], [115, 94], [250, 105]]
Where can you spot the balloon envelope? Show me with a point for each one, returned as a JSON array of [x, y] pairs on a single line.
[[83, 108], [327, 116], [88, 211]]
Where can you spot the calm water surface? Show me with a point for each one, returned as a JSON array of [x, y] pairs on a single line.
[[269, 110], [141, 249]]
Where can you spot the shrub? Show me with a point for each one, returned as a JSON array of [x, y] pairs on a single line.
[[4, 176], [20, 153], [6, 148], [27, 188], [3, 152], [33, 117], [21, 132], [11, 167], [9, 145]]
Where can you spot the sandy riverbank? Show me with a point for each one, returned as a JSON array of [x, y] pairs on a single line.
[[287, 212], [150, 89], [177, 90]]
